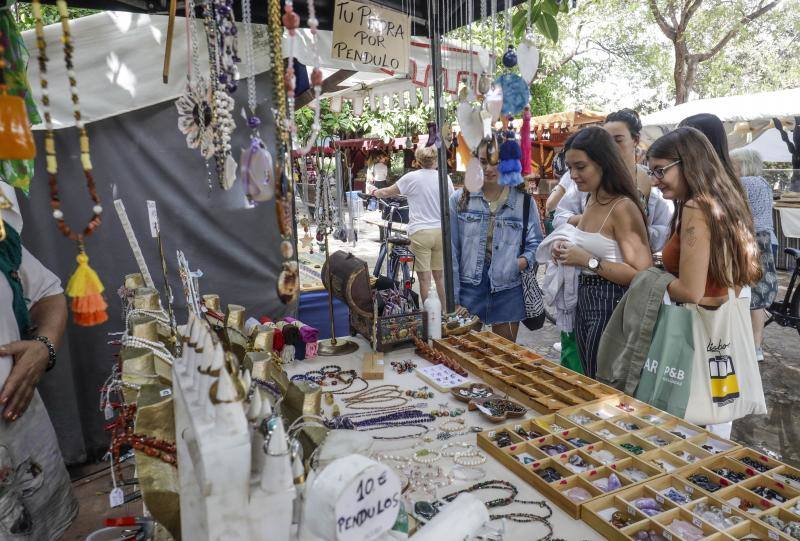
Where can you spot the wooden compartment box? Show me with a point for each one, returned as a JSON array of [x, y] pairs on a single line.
[[520, 373], [668, 521], [697, 470], [617, 453], [713, 444], [780, 514], [670, 487], [756, 530], [628, 423], [581, 417], [688, 452], [728, 512], [633, 440], [681, 429], [750, 503], [766, 463], [656, 437], [553, 423], [788, 494], [719, 463], [664, 461], [607, 430], [597, 514], [636, 470], [787, 475]]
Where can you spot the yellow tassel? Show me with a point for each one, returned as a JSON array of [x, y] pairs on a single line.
[[85, 289]]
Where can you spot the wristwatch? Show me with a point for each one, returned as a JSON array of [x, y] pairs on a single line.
[[594, 263], [51, 350]]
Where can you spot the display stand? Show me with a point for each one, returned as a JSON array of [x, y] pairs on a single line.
[[333, 345]]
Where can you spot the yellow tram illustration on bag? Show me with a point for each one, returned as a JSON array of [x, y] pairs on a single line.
[[724, 384]]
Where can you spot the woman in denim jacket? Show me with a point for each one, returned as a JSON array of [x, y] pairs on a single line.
[[486, 233]]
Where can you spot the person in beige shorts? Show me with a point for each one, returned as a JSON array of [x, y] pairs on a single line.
[[421, 188]]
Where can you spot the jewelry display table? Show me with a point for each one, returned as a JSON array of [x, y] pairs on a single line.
[[563, 525]]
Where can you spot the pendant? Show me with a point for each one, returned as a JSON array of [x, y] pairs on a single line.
[[484, 83], [471, 124], [229, 178], [473, 177], [257, 171]]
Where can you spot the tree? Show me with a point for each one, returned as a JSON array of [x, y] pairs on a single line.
[[673, 21]]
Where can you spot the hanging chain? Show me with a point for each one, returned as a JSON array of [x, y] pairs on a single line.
[[249, 56]]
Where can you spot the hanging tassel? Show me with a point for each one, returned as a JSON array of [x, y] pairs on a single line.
[[510, 166], [525, 142], [86, 291]]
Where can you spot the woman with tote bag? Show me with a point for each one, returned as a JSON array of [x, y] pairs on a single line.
[[713, 253]]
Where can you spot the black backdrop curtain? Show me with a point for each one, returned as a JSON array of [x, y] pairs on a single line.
[[139, 156]]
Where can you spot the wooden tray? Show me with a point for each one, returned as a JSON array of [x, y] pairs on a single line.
[[525, 376]]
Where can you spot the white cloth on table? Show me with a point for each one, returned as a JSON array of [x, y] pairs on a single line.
[[790, 221], [560, 284]]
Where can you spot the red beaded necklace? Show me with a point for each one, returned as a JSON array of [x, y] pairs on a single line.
[[84, 286]]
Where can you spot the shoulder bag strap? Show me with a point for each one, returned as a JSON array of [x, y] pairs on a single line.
[[526, 212]]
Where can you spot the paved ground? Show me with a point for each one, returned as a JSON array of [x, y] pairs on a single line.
[[777, 433]]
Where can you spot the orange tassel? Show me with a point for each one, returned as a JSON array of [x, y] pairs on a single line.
[[86, 290]]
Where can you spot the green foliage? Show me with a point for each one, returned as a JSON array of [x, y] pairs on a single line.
[[49, 15]]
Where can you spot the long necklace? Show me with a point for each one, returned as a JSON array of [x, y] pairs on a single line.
[[289, 278], [84, 286], [258, 174], [316, 81], [220, 28]]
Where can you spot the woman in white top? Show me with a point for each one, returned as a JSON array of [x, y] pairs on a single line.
[[421, 188], [611, 245], [36, 499], [626, 128]]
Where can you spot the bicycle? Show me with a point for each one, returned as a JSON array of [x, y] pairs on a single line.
[[786, 313], [394, 250]]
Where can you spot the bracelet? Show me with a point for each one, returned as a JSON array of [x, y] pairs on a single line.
[[469, 460], [51, 351], [426, 456], [447, 425], [467, 473], [469, 449]]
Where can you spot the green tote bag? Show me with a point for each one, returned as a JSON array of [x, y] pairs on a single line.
[[666, 379]]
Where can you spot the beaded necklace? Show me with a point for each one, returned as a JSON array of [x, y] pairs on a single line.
[[289, 278], [84, 286]]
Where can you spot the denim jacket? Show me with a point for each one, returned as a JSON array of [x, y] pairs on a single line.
[[469, 229]]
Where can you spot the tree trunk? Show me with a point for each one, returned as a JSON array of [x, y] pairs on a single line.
[[681, 71]]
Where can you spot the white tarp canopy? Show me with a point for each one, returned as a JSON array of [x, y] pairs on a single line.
[[119, 56], [771, 147], [745, 117]]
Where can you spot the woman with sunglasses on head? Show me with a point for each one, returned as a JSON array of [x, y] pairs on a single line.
[[486, 230], [625, 128], [610, 244]]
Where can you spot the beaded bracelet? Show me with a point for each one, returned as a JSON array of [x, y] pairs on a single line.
[[469, 460], [426, 456], [447, 425], [467, 473], [469, 449]]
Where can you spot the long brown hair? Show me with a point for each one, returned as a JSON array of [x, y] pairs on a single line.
[[734, 252], [617, 180]]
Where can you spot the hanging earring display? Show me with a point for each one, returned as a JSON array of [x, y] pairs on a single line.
[[258, 173], [289, 279], [84, 286]]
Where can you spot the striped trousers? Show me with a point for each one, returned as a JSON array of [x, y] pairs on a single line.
[[597, 298]]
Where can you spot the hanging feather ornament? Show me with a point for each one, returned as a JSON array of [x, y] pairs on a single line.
[[510, 166], [473, 177]]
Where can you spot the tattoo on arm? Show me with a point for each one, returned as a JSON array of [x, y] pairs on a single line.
[[691, 236]]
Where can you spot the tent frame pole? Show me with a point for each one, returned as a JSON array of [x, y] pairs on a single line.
[[444, 193]]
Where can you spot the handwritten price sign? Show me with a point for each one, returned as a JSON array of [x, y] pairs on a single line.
[[368, 507], [375, 37]]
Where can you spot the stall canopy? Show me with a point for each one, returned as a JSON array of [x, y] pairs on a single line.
[[745, 117], [771, 147], [118, 54]]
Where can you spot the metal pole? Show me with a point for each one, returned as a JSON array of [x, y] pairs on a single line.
[[436, 65]]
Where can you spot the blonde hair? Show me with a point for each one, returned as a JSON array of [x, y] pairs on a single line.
[[427, 157], [750, 162]]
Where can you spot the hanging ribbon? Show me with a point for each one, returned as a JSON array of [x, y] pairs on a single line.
[[10, 261], [525, 142]]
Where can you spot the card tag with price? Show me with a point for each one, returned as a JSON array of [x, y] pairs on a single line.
[[117, 497], [368, 507]]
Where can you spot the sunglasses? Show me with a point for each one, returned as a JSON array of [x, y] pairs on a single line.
[[658, 172]]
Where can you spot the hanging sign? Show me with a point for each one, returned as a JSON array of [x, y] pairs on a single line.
[[372, 36]]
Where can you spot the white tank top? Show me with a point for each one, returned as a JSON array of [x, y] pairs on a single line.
[[598, 245]]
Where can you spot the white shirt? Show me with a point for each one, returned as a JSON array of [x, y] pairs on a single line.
[[566, 182], [421, 188], [37, 283]]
